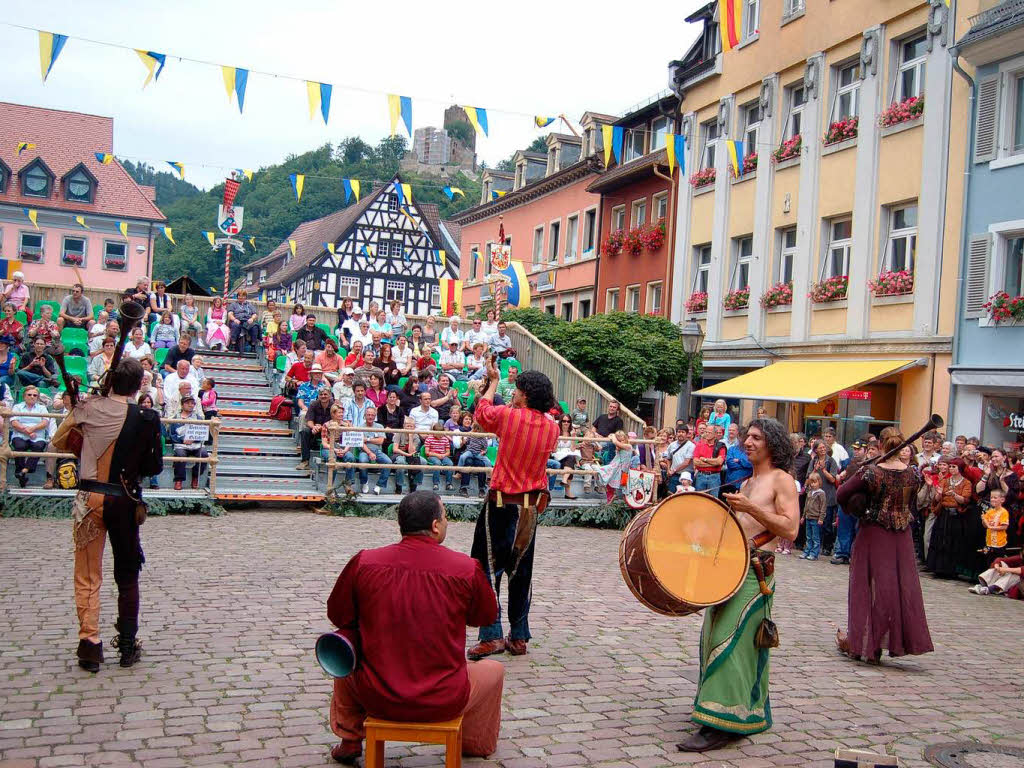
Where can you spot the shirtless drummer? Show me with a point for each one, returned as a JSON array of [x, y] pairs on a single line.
[[732, 695]]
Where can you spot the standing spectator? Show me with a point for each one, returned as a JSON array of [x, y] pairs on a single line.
[[405, 450], [999, 475], [996, 520], [189, 317], [396, 318], [44, 327], [37, 367], [737, 466], [165, 335], [931, 444], [802, 459], [16, 292], [501, 342], [720, 418], [732, 435], [708, 458], [28, 432], [75, 310], [268, 325], [579, 415], [180, 351], [680, 457], [317, 414], [8, 361], [243, 323], [136, 345], [160, 302], [10, 326], [825, 467], [208, 397], [815, 510], [297, 318], [705, 415], [218, 333], [438, 449], [311, 334], [184, 445], [836, 450]]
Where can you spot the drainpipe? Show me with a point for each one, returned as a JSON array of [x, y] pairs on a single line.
[[597, 261], [667, 283], [972, 84]]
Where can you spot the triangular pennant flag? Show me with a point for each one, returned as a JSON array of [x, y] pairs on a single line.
[[408, 216], [318, 95], [451, 192], [496, 193], [400, 106], [50, 46], [179, 167], [606, 135], [123, 226], [81, 222], [617, 135], [407, 190], [154, 63], [168, 233], [351, 187], [252, 242], [298, 180], [235, 79], [679, 143], [442, 257], [291, 247], [32, 214], [405, 254], [543, 122], [329, 247], [212, 238], [25, 145], [247, 172], [104, 158], [734, 149], [477, 118], [400, 193]]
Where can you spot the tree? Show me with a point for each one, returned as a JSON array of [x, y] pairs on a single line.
[[353, 150], [461, 131], [389, 154], [169, 186], [538, 145], [508, 164]]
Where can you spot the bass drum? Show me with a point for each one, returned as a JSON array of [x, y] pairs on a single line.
[[683, 555]]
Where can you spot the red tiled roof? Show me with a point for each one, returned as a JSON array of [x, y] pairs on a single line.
[[620, 175], [455, 230], [63, 140]]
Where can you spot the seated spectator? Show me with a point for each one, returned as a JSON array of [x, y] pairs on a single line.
[[402, 354], [580, 417], [182, 373], [245, 327], [155, 392], [391, 415], [180, 351], [136, 345], [160, 302], [1002, 578], [429, 332], [371, 452], [344, 315], [100, 364], [380, 324], [218, 332], [310, 390], [508, 385], [186, 446], [208, 397], [355, 412], [588, 459], [386, 362], [490, 325], [268, 323], [453, 360], [111, 310], [299, 373], [172, 403], [28, 432], [409, 393], [405, 449], [438, 450], [369, 366], [16, 292], [99, 328], [329, 360], [140, 295], [316, 416], [188, 314], [8, 361], [452, 333], [197, 369], [476, 363], [607, 424], [473, 454], [149, 364], [375, 391], [112, 331], [475, 335], [44, 327], [37, 367], [453, 424], [11, 327], [501, 342], [342, 389], [424, 414], [58, 405], [297, 319], [395, 317], [362, 333], [443, 396], [350, 327], [298, 352], [311, 334], [566, 454], [417, 343], [354, 358], [279, 344], [165, 335], [75, 310]]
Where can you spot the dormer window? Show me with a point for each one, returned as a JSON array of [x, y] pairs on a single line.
[[595, 141], [35, 182], [392, 201], [79, 187], [5, 177], [634, 143], [553, 159], [659, 129]]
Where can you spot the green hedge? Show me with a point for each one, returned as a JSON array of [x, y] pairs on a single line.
[[59, 507]]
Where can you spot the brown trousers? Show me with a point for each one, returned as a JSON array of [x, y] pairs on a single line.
[[89, 575], [481, 719]]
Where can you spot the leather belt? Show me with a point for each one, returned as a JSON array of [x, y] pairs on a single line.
[[522, 499], [106, 489]]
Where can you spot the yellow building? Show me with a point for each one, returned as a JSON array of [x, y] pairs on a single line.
[[851, 179]]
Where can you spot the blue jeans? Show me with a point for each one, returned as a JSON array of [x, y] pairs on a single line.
[[707, 482], [552, 464], [470, 459], [28, 378], [844, 537], [812, 547], [417, 477], [445, 462], [367, 454]]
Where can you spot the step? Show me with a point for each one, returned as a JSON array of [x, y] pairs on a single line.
[[257, 447], [226, 355], [227, 408], [255, 466], [244, 393], [241, 379], [227, 364]]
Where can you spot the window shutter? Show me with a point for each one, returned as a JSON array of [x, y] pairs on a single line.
[[986, 133], [979, 251]]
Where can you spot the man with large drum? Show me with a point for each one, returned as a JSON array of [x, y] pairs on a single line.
[[732, 695]]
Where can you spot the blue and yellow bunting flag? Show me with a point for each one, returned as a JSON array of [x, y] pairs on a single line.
[[675, 148], [329, 247], [291, 247], [606, 135], [451, 192], [405, 254], [81, 222], [123, 227], [252, 242], [409, 217], [298, 180], [104, 158], [543, 122], [24, 146], [33, 215], [319, 96], [400, 107], [734, 150], [179, 167], [442, 257], [517, 295], [235, 79], [477, 118], [168, 232], [211, 238], [154, 63], [497, 193], [351, 188], [617, 136], [8, 267], [247, 172], [50, 46]]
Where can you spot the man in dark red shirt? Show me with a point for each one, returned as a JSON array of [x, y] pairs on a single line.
[[518, 495], [404, 607]]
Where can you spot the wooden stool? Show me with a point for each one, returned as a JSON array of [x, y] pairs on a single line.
[[448, 733]]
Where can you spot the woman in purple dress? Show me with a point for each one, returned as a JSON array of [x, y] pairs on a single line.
[[885, 607]]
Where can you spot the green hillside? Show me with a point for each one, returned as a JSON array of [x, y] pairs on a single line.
[[169, 187], [271, 211]]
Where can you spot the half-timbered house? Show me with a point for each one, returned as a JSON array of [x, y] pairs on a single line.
[[385, 247]]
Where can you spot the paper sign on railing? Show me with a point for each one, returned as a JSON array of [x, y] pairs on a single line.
[[353, 439], [197, 433]]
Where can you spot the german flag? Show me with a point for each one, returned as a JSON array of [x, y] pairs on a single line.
[[451, 295], [730, 17]]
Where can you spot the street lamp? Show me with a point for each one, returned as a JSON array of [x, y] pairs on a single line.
[[693, 340]]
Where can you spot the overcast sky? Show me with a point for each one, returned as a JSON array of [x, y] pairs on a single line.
[[529, 56]]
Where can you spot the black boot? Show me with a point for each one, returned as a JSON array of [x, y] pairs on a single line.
[[124, 641], [90, 655]]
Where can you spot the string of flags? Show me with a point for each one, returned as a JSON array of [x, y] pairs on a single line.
[[451, 192], [179, 167], [351, 187], [154, 64], [235, 80], [319, 97]]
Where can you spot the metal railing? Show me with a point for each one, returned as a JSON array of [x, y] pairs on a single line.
[[997, 14]]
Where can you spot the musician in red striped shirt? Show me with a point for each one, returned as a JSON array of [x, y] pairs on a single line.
[[504, 538]]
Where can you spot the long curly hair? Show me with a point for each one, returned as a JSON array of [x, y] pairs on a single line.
[[540, 395], [777, 440]]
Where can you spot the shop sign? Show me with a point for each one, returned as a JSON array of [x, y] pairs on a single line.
[[1014, 422], [854, 394]]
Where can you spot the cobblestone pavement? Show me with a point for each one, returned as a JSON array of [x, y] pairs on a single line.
[[231, 606]]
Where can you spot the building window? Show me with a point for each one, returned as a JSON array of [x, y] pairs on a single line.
[[35, 182], [618, 217], [910, 70], [115, 256], [435, 296], [902, 244], [584, 308], [550, 309], [787, 256], [659, 129], [538, 245], [383, 246], [611, 303], [634, 141], [487, 258], [394, 290], [1002, 421], [632, 298], [837, 259], [572, 237], [589, 231], [1013, 266], [702, 268], [31, 247], [72, 254], [552, 159], [654, 298], [790, 7], [751, 15], [638, 213], [5, 176], [474, 263], [556, 231], [263, 275], [567, 311], [78, 188], [392, 201], [847, 84], [660, 206], [742, 258], [709, 140], [1017, 126], [751, 120], [796, 99], [348, 287]]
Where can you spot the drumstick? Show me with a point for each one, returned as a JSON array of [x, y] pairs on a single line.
[[721, 536]]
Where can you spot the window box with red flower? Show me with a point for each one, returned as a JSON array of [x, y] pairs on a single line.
[[737, 299], [72, 259], [830, 289], [1003, 308], [788, 150], [779, 295], [902, 112], [698, 302], [653, 236], [841, 130], [749, 167], [612, 245], [114, 262], [634, 244], [33, 256], [889, 283], [702, 178]]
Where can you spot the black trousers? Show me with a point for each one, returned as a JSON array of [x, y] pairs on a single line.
[[126, 545], [503, 521]]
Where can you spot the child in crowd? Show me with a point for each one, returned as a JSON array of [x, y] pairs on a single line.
[[613, 476], [439, 451], [815, 509], [111, 310], [208, 397], [685, 483], [165, 335], [996, 520], [588, 458]]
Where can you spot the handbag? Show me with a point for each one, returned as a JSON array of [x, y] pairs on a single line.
[[280, 408]]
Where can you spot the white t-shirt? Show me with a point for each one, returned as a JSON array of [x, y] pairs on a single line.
[[491, 329], [351, 325], [448, 336], [402, 357], [680, 457], [137, 352], [366, 339], [474, 337], [171, 382], [453, 358], [839, 453], [424, 419]]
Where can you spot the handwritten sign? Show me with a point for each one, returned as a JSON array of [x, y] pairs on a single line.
[[197, 433], [353, 439]]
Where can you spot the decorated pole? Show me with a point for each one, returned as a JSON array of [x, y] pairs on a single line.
[[229, 222], [227, 270]]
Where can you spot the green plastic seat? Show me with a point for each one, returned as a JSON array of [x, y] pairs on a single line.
[[401, 382], [96, 309], [492, 453], [564, 406], [461, 387], [81, 346], [71, 335], [280, 362], [326, 329], [77, 366], [507, 363], [160, 355], [21, 317], [295, 335]]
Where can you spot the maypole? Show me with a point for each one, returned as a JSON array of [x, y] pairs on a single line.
[[229, 222]]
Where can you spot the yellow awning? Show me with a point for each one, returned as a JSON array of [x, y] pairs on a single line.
[[806, 381]]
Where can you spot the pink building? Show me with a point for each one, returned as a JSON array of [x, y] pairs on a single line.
[[61, 178], [551, 223]]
